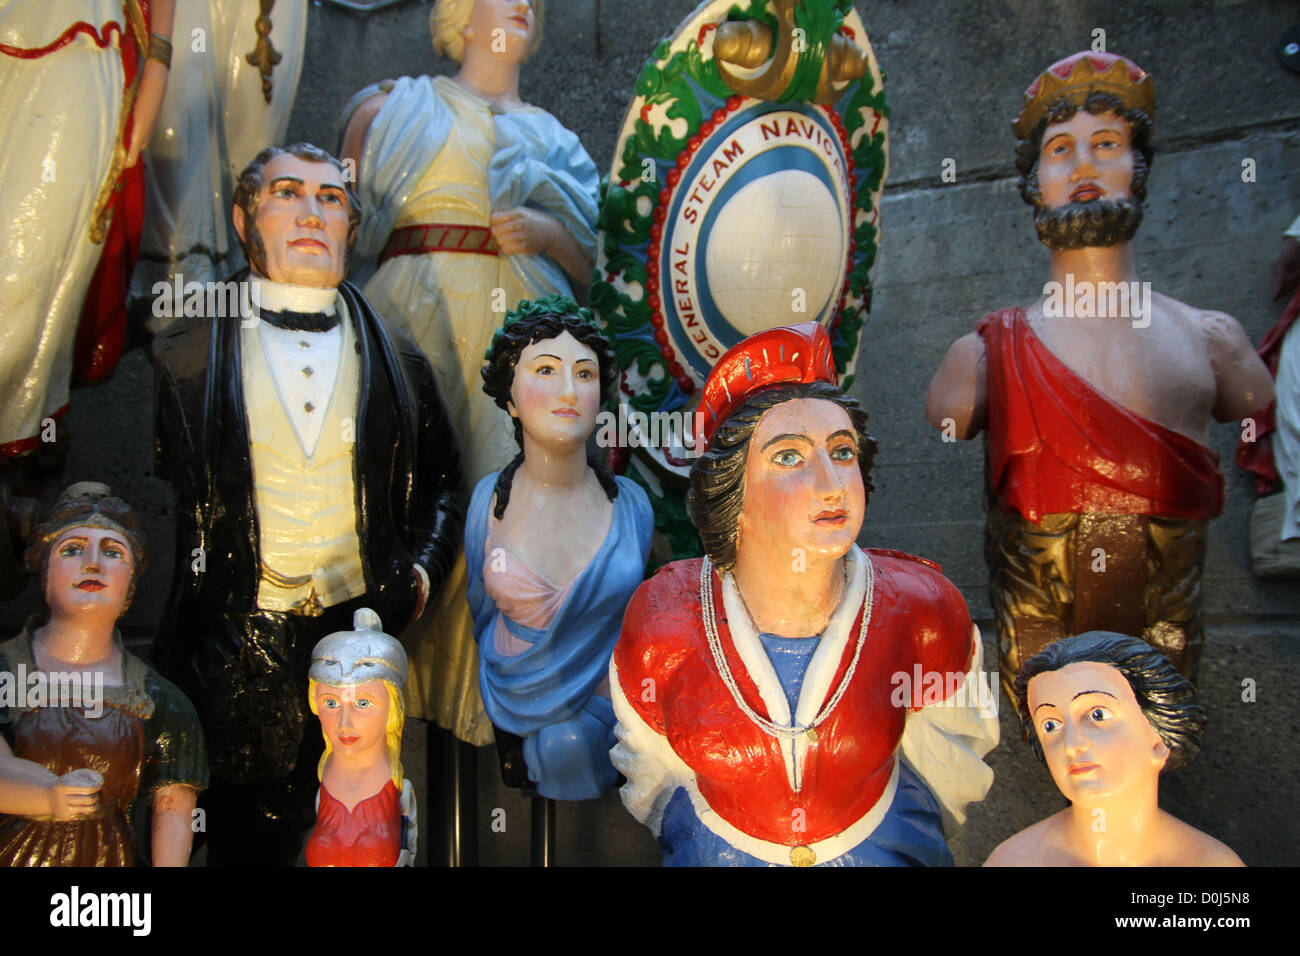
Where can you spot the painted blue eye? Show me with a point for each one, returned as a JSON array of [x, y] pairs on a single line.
[[844, 453], [1098, 714], [788, 458], [364, 703], [1051, 725]]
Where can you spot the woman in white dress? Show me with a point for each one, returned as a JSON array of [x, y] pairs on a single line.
[[474, 200], [69, 132]]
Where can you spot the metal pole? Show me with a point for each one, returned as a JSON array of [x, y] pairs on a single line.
[[452, 788], [543, 831], [442, 829], [467, 803]]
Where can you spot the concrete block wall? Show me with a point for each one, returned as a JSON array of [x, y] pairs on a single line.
[[951, 251]]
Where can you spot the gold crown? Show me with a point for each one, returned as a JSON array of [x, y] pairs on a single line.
[[1079, 75]]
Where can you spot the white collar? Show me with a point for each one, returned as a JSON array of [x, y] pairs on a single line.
[[821, 669], [283, 297]]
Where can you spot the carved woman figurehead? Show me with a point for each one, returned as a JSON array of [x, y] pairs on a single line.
[[510, 27], [551, 369], [355, 687], [1108, 713], [779, 434], [88, 553], [365, 811], [1094, 703]]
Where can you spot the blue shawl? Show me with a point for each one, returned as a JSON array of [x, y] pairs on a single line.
[[544, 695]]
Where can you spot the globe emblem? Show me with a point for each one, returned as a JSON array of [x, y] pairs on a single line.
[[776, 252]]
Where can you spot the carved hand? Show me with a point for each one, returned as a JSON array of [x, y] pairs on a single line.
[[422, 579], [527, 231], [75, 794]]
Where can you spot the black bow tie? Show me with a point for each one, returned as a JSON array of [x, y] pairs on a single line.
[[301, 321]]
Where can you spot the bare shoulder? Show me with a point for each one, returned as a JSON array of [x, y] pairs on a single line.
[[1200, 849], [958, 390], [1038, 845], [1243, 382], [970, 347], [1216, 329], [365, 114], [354, 136]]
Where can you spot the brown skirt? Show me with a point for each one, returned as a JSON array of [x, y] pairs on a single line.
[[63, 739]]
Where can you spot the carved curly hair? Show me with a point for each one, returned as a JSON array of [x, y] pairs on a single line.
[[537, 321], [1062, 110]]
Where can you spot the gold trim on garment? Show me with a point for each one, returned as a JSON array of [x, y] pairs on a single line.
[[309, 606]]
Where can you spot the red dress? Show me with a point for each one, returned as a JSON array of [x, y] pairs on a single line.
[[370, 835]]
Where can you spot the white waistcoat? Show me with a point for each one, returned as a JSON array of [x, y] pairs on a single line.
[[306, 504]]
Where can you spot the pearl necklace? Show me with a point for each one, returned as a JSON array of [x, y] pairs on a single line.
[[720, 661]]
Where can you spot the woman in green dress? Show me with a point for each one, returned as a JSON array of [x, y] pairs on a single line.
[[88, 731]]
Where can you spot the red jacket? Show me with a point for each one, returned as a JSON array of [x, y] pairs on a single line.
[[667, 674]]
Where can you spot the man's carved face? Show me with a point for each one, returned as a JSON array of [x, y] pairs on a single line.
[[1084, 179], [1086, 158], [301, 222]]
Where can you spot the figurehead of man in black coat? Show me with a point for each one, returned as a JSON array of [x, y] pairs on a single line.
[[240, 655]]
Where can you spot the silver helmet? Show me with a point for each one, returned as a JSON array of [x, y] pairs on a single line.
[[365, 653]]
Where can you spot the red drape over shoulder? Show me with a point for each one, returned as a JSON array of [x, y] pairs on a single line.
[[1056, 445]]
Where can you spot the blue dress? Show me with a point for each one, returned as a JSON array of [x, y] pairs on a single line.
[[546, 694]]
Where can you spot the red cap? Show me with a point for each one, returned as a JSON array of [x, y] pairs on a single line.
[[795, 354]]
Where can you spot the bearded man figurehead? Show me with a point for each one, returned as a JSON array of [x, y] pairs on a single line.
[[1084, 149]]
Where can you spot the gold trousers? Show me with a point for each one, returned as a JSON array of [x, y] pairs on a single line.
[[1133, 574]]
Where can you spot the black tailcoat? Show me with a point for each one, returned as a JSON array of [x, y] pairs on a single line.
[[246, 668]]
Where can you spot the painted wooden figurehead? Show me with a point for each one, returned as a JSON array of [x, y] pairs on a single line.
[[1107, 714], [109, 736], [366, 810], [556, 546], [1098, 397], [753, 686]]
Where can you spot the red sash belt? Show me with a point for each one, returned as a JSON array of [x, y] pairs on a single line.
[[1056, 445], [439, 237]]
